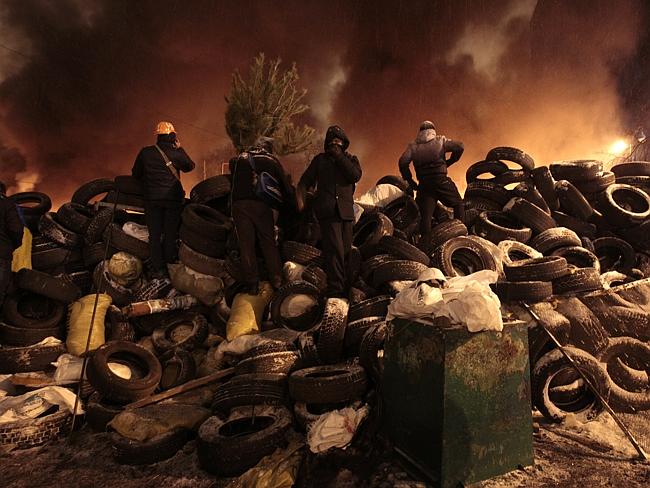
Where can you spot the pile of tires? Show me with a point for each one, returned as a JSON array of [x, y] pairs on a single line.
[[567, 229], [575, 210]]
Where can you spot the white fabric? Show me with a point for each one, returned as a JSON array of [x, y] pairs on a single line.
[[297, 305], [466, 300], [380, 195], [34, 403], [138, 231], [358, 212], [292, 271], [335, 428], [68, 369]]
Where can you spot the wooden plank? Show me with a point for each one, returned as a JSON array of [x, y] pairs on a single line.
[[185, 387]]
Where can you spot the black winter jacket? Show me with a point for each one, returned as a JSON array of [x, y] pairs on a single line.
[[158, 181], [334, 179], [11, 228], [242, 175]]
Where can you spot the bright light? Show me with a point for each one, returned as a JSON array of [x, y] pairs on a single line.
[[619, 147]]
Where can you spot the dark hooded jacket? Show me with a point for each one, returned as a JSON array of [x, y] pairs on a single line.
[[158, 181], [334, 179], [427, 153], [11, 228], [241, 170]]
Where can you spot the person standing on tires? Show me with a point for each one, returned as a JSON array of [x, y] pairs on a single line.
[[254, 216], [428, 153], [334, 174], [158, 168], [11, 238]]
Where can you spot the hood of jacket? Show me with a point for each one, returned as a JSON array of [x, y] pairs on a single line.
[[425, 136], [334, 132]]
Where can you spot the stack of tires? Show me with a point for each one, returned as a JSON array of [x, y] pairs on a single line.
[[204, 233], [282, 384], [563, 229], [581, 228], [68, 252], [34, 312], [571, 209], [139, 376]]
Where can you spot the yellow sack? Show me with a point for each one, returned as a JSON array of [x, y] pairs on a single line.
[[22, 257], [81, 313], [277, 470], [246, 312]]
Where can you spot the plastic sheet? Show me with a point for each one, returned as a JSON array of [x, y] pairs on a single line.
[[147, 422], [35, 403], [138, 231], [380, 195], [335, 428], [277, 470], [466, 300]]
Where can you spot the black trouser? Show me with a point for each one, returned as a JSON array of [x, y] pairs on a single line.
[[435, 188], [5, 278], [336, 237], [163, 220], [254, 222]]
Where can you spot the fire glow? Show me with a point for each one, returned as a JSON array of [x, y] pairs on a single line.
[[619, 147]]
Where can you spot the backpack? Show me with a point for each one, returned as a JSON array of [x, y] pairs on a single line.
[[267, 187]]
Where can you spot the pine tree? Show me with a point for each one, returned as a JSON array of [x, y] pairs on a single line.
[[264, 104]]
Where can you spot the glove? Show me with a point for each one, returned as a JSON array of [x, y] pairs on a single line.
[[413, 186]]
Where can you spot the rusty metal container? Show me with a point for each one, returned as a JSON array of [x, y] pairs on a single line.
[[457, 404]]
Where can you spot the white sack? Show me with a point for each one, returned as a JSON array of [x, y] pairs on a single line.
[[380, 195], [34, 403], [466, 300], [335, 428], [138, 231]]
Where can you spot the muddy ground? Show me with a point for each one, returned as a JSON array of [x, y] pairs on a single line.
[[564, 457]]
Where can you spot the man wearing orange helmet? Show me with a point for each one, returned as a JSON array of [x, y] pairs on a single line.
[[158, 168]]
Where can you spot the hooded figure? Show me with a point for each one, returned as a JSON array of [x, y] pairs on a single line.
[[428, 154], [158, 168], [254, 219], [11, 237], [333, 174]]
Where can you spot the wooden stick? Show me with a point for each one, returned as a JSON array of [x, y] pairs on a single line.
[[177, 390]]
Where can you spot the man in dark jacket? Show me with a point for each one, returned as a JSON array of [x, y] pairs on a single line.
[[253, 217], [428, 154], [11, 237], [333, 174], [158, 167]]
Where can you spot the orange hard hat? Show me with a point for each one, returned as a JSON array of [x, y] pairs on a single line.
[[165, 128]]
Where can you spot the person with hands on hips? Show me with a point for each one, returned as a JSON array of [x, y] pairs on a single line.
[[333, 174], [428, 154]]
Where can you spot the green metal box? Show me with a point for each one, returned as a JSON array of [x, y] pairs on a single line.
[[457, 403]]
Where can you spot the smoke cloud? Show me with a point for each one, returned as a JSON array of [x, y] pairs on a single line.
[[86, 81]]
